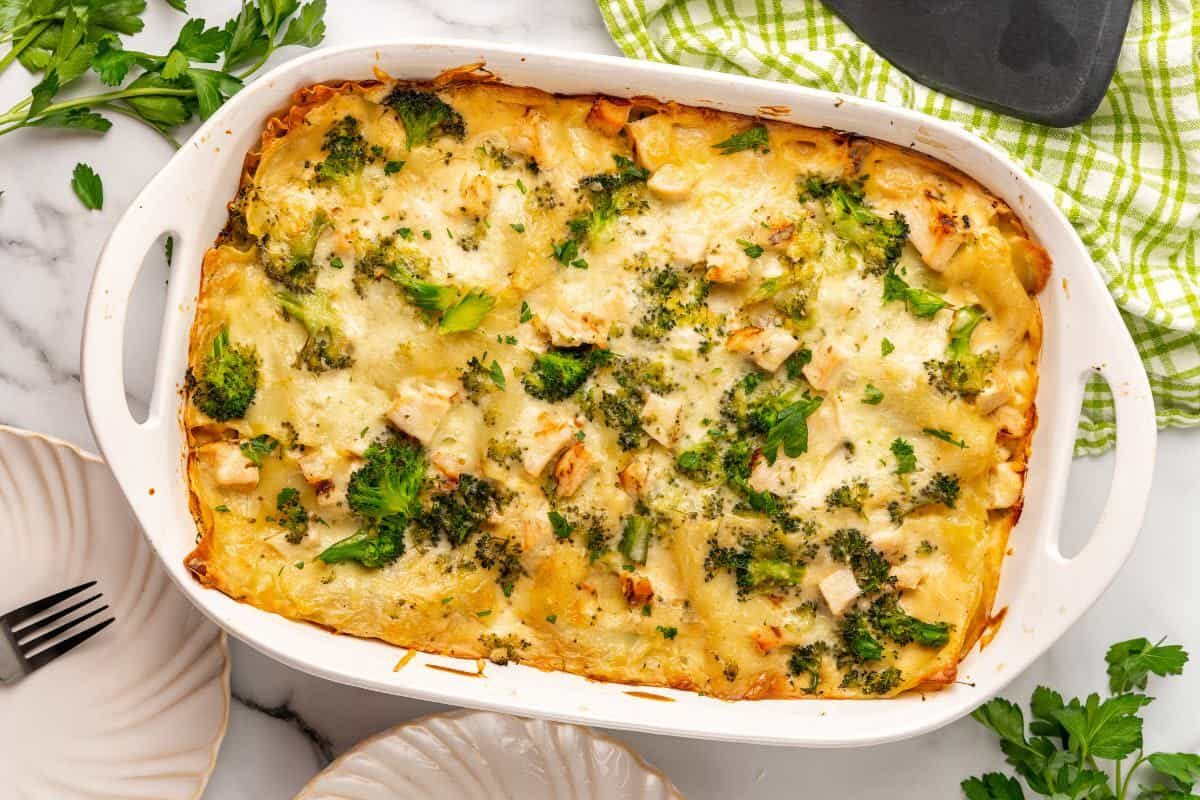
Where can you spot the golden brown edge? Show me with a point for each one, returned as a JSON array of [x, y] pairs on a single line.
[[307, 98]]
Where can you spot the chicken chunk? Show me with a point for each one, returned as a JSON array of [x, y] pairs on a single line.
[[420, 406], [660, 418], [573, 468], [458, 444], [316, 465], [823, 371], [840, 590], [475, 194], [728, 266], [1004, 485], [768, 348], [229, 465], [671, 182], [544, 434], [635, 476], [573, 329], [609, 115]]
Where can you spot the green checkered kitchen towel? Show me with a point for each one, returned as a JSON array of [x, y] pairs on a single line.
[[1122, 177]]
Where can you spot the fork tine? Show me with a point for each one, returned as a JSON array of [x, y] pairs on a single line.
[[66, 645], [37, 606], [33, 644], [38, 624]]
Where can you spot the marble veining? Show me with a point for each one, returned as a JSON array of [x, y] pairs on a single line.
[[285, 725]]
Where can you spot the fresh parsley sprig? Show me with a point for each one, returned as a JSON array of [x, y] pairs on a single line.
[[63, 39], [1060, 756]]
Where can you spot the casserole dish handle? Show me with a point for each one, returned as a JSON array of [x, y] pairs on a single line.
[[119, 435], [1110, 352]]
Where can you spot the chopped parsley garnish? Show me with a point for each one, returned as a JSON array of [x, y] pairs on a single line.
[[871, 395], [946, 436], [906, 459], [750, 248], [753, 138]]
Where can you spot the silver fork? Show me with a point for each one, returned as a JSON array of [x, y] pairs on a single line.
[[28, 641]]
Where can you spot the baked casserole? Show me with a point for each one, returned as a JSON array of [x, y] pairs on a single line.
[[643, 392]]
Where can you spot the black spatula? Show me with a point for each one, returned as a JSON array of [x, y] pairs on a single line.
[[1047, 61]]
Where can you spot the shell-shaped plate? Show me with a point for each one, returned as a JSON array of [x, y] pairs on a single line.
[[137, 711], [478, 755]]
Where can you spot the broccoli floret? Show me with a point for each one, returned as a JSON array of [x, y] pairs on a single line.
[[737, 462], [294, 267], [606, 197], [757, 563], [425, 116], [635, 538], [891, 621], [478, 378], [793, 293], [347, 153], [292, 515], [326, 347], [373, 546], [871, 570], [858, 645], [387, 258], [962, 372], [227, 379], [558, 374], [383, 491], [807, 661], [503, 556], [701, 463], [388, 483], [672, 298], [459, 514], [621, 408], [849, 495], [872, 681], [942, 489], [409, 270], [467, 312], [879, 239]]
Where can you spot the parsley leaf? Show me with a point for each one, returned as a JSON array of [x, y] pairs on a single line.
[[526, 312], [872, 396], [1061, 757], [497, 375], [750, 248], [791, 429], [906, 460], [753, 138], [992, 786], [88, 187], [258, 448], [946, 436], [561, 527], [1131, 661], [886, 348]]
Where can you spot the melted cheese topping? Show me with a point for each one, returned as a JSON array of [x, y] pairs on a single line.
[[712, 267]]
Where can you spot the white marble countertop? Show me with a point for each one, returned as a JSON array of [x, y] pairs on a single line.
[[285, 725]]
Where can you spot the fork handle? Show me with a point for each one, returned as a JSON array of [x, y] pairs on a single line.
[[12, 663]]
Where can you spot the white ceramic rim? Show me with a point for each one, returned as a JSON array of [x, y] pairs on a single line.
[[222, 636], [340, 762], [1043, 591]]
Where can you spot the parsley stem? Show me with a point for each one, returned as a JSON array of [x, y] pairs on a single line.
[[257, 64], [128, 112], [95, 99], [17, 47]]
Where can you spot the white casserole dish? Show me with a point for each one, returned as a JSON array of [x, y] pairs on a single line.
[[1043, 592]]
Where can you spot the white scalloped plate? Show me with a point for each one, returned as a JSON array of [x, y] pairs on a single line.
[[477, 755], [138, 711]]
